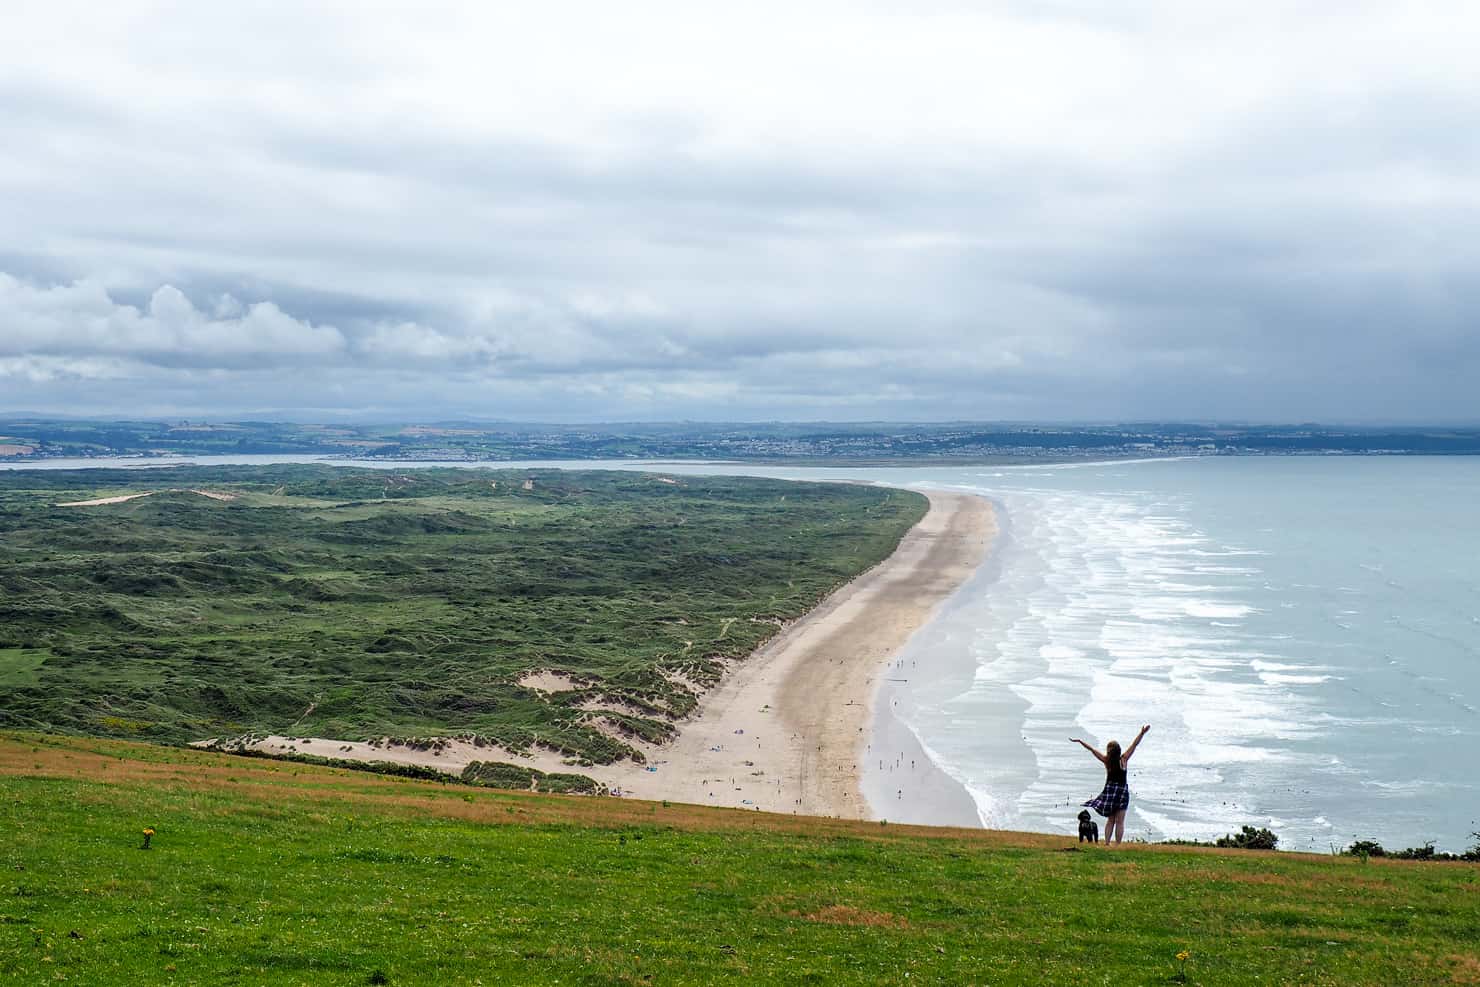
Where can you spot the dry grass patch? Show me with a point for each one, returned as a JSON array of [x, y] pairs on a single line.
[[848, 915], [1273, 879], [1464, 968]]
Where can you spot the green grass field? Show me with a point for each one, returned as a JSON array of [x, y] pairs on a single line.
[[361, 603], [264, 872]]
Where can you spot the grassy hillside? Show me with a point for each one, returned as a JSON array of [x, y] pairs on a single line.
[[265, 872], [358, 603]]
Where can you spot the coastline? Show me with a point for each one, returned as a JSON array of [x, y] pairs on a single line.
[[791, 728], [906, 781]]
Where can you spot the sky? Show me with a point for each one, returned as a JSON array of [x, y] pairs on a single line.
[[863, 211]]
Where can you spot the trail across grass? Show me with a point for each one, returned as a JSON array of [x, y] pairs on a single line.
[[265, 872]]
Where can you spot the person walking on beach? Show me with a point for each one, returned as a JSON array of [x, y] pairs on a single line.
[[1115, 797]]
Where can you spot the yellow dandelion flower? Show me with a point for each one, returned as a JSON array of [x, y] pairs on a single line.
[[1184, 956]]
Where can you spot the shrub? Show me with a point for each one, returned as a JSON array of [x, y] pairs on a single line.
[[569, 784], [1249, 838], [496, 774], [1365, 848], [1371, 848]]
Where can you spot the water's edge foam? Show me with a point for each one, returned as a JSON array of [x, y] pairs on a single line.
[[902, 778]]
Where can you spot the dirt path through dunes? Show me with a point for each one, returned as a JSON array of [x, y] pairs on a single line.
[[106, 500], [121, 498]]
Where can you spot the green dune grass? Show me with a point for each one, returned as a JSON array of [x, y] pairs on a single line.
[[361, 603], [263, 872]]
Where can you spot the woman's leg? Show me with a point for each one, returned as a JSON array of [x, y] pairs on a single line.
[[1115, 829]]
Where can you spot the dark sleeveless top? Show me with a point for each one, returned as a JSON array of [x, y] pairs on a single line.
[[1115, 773]]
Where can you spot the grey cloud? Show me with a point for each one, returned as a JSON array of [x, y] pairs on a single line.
[[1207, 218], [81, 319]]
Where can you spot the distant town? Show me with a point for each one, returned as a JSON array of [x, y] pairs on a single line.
[[34, 439]]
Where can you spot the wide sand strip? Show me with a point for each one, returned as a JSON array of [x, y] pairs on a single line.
[[788, 728]]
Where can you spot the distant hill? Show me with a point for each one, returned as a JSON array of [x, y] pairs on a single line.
[[30, 438]]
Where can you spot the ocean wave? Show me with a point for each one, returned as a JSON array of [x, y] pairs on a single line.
[[1225, 570], [1229, 552], [1267, 665], [1112, 607], [1279, 678], [1209, 608]]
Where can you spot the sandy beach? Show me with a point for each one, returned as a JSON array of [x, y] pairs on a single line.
[[788, 729]]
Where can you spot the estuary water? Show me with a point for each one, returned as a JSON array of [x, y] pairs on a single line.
[[1302, 634]]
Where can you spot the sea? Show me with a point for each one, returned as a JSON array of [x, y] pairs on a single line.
[[1302, 635]]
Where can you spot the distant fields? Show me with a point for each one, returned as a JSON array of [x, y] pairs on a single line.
[[794, 442], [341, 603], [265, 872]]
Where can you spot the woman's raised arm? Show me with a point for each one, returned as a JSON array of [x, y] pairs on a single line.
[[1097, 754], [1134, 743]]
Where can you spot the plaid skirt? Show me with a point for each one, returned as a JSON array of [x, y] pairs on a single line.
[[1116, 797]]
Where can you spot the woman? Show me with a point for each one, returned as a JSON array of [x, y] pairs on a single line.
[[1115, 797]]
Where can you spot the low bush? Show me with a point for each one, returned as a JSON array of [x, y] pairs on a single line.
[[1426, 851], [498, 774], [1249, 838]]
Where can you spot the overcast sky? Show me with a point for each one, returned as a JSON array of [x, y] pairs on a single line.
[[603, 211]]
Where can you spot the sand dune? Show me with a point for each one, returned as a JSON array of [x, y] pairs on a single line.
[[787, 729]]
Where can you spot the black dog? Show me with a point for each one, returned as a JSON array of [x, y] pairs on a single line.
[[1089, 830]]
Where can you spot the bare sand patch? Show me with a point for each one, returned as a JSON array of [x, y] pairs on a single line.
[[602, 705], [679, 678], [121, 498], [550, 682], [443, 754], [616, 731]]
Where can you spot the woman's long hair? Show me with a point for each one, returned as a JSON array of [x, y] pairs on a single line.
[[1112, 754]]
